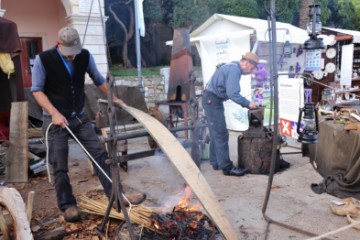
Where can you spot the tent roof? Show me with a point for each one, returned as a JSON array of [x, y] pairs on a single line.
[[259, 26], [355, 34]]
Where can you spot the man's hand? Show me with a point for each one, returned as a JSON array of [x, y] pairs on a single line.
[[58, 119], [252, 105], [104, 89], [119, 101]]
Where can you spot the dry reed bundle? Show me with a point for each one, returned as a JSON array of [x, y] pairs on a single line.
[[138, 214]]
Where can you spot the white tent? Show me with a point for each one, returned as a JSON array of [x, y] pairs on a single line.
[[224, 38], [230, 37], [219, 24]]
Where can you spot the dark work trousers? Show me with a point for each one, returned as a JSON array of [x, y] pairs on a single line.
[[58, 156], [219, 135]]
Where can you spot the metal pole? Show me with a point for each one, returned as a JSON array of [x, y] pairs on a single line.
[[138, 49], [274, 79], [274, 155]]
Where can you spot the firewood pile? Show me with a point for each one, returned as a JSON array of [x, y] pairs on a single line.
[[183, 223]]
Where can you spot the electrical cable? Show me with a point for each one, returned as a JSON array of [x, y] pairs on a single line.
[[88, 20]]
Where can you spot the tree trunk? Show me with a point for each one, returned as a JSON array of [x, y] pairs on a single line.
[[125, 55], [304, 13], [128, 32]]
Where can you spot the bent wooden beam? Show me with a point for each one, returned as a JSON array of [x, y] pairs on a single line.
[[187, 168], [11, 199]]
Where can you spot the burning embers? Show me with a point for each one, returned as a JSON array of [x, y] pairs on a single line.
[[184, 222]]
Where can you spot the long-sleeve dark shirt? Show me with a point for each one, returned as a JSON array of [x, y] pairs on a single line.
[[225, 83]]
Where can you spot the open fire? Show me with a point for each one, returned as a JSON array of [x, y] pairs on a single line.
[[185, 221]]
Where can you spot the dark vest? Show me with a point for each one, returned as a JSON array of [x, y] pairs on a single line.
[[66, 93]]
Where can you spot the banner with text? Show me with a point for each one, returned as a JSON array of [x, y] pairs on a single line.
[[291, 99]]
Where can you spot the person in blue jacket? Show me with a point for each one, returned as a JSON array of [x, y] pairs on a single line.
[[223, 85]]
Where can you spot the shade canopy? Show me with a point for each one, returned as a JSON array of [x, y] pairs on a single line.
[[220, 24]]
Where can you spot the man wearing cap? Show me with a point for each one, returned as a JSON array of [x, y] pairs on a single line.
[[58, 80], [224, 85]]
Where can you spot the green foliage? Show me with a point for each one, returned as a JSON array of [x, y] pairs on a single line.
[[347, 19], [344, 14], [286, 10], [245, 8], [188, 13], [191, 13], [153, 12], [356, 21], [126, 72], [325, 10]]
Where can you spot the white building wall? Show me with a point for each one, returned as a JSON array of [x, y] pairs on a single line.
[[91, 29]]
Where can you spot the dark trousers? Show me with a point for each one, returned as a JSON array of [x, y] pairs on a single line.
[[219, 135], [58, 156]]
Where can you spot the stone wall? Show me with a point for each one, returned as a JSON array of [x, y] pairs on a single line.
[[153, 86]]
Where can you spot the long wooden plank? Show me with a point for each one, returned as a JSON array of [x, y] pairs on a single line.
[[187, 168], [17, 160], [11, 199]]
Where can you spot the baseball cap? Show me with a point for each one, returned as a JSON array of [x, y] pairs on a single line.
[[251, 57], [69, 38]]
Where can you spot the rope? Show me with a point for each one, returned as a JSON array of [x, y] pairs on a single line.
[[47, 151], [87, 153], [335, 231]]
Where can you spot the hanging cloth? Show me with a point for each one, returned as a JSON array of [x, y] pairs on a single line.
[[6, 64]]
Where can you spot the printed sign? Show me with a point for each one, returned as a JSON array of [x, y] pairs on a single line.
[[313, 60], [291, 98]]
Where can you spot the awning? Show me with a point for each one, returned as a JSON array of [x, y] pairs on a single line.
[[259, 26], [355, 34]]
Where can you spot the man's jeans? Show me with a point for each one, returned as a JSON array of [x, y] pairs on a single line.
[[219, 135], [58, 156]]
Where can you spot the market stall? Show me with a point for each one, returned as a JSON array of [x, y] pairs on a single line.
[[336, 90], [224, 38], [340, 66]]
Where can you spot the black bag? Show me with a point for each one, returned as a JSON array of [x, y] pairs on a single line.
[[255, 150]]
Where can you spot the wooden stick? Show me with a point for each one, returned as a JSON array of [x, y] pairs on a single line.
[[29, 205]]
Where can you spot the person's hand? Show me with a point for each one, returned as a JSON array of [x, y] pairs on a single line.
[[252, 105], [119, 101], [58, 119]]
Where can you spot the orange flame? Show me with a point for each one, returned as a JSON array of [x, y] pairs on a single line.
[[184, 203]]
